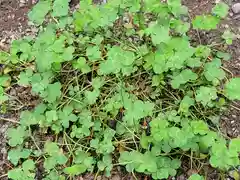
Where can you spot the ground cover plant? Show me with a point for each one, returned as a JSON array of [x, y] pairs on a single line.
[[121, 84]]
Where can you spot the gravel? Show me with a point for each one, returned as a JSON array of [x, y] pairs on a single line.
[[236, 8]]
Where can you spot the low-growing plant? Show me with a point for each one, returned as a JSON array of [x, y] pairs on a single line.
[[120, 84]]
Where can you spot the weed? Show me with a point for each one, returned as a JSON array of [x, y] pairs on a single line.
[[121, 84]]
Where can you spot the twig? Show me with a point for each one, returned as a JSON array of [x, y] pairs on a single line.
[[2, 176], [227, 70], [9, 120], [235, 107]]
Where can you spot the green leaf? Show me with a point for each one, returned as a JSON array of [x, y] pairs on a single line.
[[28, 165], [25, 77], [158, 33], [82, 157], [51, 148], [221, 10], [185, 104], [159, 129], [97, 83], [16, 135], [53, 92], [5, 80], [179, 26], [51, 115], [82, 65], [206, 94], [177, 8], [145, 141], [113, 65], [208, 140], [223, 55], [194, 62], [60, 8], [92, 96], [28, 118], [93, 53], [213, 71], [157, 80], [202, 51], [20, 174], [137, 110], [205, 22], [65, 21], [75, 169], [232, 89], [184, 77], [15, 155], [158, 63], [56, 155], [68, 53], [66, 115], [228, 36], [105, 164], [234, 145], [195, 177], [222, 158], [15, 174], [53, 175], [199, 127], [39, 11]]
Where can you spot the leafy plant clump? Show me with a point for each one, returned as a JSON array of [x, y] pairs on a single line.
[[120, 84]]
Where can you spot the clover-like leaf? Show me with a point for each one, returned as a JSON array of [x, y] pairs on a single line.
[[5, 80], [232, 89], [158, 33], [221, 10], [213, 71], [199, 127], [106, 164], [194, 62], [82, 65], [185, 104], [222, 158], [75, 169], [25, 77], [223, 55], [113, 63], [56, 156], [205, 22], [15, 155], [234, 145], [60, 8], [184, 77], [92, 96], [93, 53], [16, 135], [66, 115], [39, 11], [53, 92], [228, 36], [205, 95], [195, 177], [28, 165]]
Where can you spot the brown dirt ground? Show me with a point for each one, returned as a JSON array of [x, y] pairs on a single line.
[[230, 120], [13, 25]]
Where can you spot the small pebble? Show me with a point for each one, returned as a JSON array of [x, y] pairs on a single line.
[[236, 8], [234, 116]]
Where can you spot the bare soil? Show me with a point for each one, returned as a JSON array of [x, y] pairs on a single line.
[[13, 25]]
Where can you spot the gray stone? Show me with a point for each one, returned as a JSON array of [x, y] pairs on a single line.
[[236, 8]]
